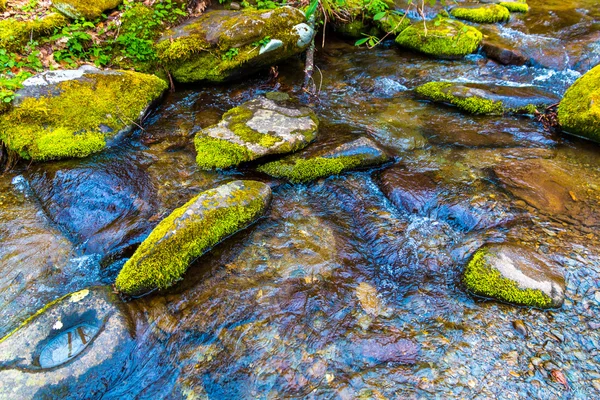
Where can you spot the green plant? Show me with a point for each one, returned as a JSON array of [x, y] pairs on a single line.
[[262, 42], [29, 6], [230, 54], [15, 68]]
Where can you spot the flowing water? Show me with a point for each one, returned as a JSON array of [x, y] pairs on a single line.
[[348, 287]]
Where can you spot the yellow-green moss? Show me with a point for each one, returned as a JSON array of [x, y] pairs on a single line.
[[450, 39], [88, 9], [393, 23], [3, 5], [190, 58], [70, 124], [162, 259], [15, 34], [305, 170], [237, 118], [218, 153], [474, 105], [512, 6], [482, 280], [579, 110], [484, 15]]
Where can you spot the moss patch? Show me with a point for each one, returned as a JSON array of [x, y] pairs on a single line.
[[474, 105], [193, 53], [579, 110], [451, 39], [88, 9], [3, 5], [484, 15], [306, 170], [162, 259], [237, 118], [393, 23], [77, 122], [15, 34], [218, 153], [485, 281], [521, 7]]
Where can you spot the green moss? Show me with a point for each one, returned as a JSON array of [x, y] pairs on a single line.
[[217, 153], [352, 29], [69, 124], [3, 5], [474, 105], [191, 58], [305, 170], [515, 7], [393, 23], [237, 118], [485, 281], [484, 15], [579, 110], [450, 39], [88, 9], [15, 34], [162, 259]]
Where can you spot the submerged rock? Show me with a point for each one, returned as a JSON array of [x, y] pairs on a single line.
[[104, 203], [255, 129], [449, 39], [222, 45], [88, 9], [360, 153], [478, 98], [483, 14], [162, 259], [579, 110], [74, 113], [516, 275], [74, 343]]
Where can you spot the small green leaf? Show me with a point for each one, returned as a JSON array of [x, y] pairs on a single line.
[[361, 41], [379, 15], [312, 7]]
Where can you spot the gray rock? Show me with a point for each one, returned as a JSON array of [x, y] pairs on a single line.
[[273, 44], [255, 129], [515, 274]]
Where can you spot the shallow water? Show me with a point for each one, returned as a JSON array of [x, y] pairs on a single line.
[[341, 290]]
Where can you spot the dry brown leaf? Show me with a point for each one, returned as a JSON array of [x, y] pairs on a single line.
[[367, 296]]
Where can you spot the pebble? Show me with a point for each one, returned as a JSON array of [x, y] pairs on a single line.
[[520, 327]]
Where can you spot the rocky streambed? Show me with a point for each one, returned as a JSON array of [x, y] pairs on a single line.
[[351, 282]]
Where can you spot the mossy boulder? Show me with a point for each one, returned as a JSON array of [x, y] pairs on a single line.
[[579, 110], [222, 45], [515, 274], [477, 98], [190, 231], [483, 14], [88, 9], [14, 34], [255, 129], [360, 153], [450, 39], [393, 23], [519, 6], [74, 113]]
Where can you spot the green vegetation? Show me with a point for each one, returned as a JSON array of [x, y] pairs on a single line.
[[444, 38], [301, 170], [487, 14], [512, 6], [579, 110], [483, 280], [69, 124], [89, 9], [162, 259], [435, 91]]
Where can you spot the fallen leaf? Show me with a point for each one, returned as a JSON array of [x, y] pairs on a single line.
[[367, 296]]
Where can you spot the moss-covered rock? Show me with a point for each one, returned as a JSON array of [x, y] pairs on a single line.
[[393, 23], [360, 153], [483, 14], [222, 45], [488, 99], [352, 29], [162, 259], [579, 110], [74, 113], [516, 6], [14, 34], [255, 129], [515, 275], [449, 39], [88, 9]]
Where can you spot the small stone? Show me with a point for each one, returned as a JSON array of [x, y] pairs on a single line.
[[273, 44], [305, 34], [234, 6], [520, 327]]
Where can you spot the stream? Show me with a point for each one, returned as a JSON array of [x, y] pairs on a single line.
[[349, 287]]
